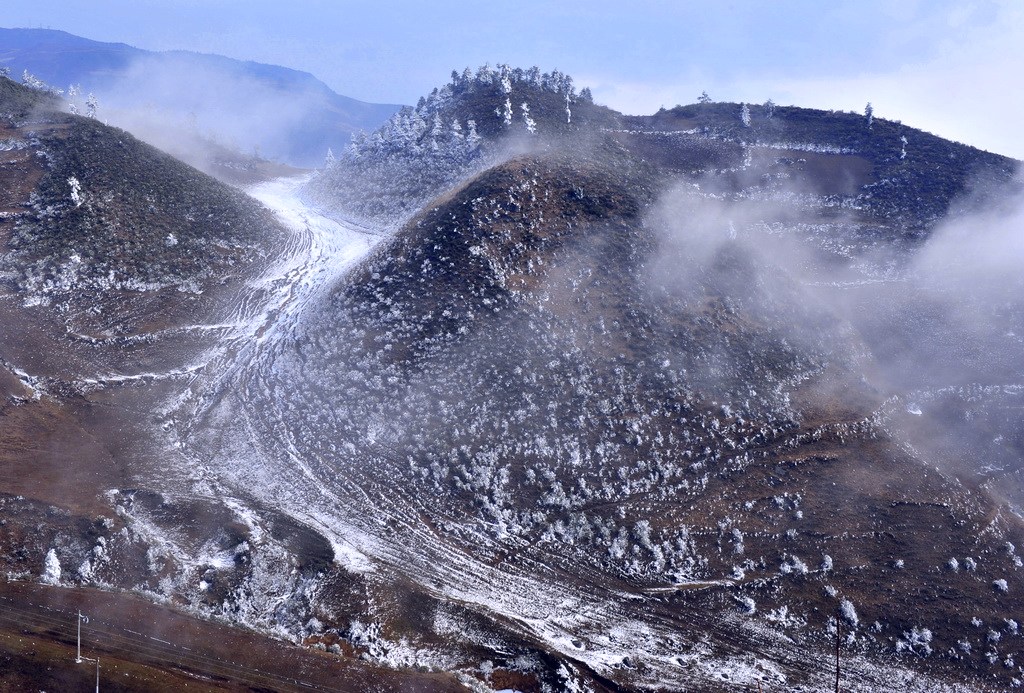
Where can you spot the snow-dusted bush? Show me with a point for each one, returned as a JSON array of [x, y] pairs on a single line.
[[793, 564], [848, 612], [916, 640]]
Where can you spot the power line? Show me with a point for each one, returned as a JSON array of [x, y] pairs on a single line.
[[158, 651]]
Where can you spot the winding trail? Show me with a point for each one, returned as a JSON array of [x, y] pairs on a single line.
[[243, 441]]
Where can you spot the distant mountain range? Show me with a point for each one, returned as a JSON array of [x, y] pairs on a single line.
[[278, 113]]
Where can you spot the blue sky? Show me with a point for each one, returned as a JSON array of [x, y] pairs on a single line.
[[949, 66]]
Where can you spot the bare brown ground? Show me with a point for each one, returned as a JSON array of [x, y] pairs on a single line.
[[147, 647]]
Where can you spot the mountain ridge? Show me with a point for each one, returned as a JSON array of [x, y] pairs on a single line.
[[121, 76]]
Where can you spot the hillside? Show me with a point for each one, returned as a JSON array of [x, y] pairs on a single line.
[[123, 272], [665, 363], [567, 400]]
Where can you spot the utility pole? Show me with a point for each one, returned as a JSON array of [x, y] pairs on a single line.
[[81, 619]]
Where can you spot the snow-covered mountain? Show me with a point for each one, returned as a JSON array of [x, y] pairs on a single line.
[[532, 392]]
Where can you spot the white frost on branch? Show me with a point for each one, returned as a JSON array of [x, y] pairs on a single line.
[[531, 124], [505, 113], [76, 191]]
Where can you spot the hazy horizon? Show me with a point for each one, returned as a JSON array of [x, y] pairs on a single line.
[[905, 58]]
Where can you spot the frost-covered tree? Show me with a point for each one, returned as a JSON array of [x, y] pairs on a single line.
[[531, 124], [5, 71], [330, 158], [29, 80], [745, 115], [33, 82], [869, 113], [769, 109], [73, 92], [51, 568], [506, 79], [76, 191], [91, 105], [505, 112], [485, 74]]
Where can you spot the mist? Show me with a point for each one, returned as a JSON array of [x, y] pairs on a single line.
[[926, 332], [951, 346], [212, 111]]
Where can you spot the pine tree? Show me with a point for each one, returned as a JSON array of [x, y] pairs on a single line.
[[472, 138]]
